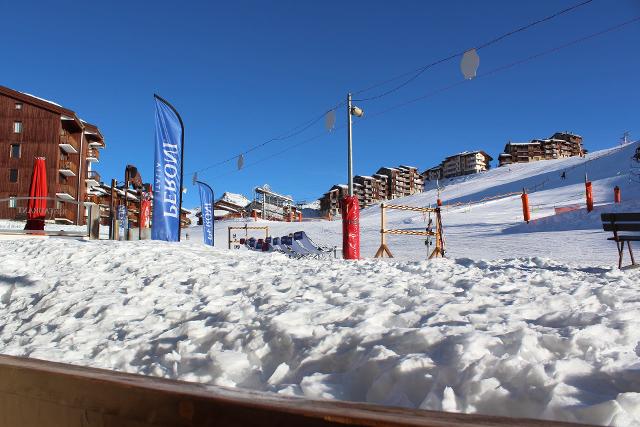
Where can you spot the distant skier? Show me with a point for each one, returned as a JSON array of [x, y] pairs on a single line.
[[564, 175]]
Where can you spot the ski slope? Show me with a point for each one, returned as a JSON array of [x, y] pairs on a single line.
[[523, 320], [495, 229]]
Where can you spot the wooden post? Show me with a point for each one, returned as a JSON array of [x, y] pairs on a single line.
[[94, 222], [439, 249], [229, 237], [383, 240]]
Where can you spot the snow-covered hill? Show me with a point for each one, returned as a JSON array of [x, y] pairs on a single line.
[[495, 228], [524, 320]]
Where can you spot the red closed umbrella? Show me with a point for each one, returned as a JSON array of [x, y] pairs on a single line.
[[37, 208]]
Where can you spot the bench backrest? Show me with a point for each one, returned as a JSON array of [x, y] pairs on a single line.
[[621, 221]]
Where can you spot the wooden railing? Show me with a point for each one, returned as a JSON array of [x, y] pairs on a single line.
[[92, 198], [93, 153], [93, 175], [67, 188], [67, 164], [40, 393], [66, 138]]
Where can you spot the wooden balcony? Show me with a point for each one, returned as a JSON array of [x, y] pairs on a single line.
[[66, 192], [64, 213], [91, 198], [67, 168], [92, 179], [93, 155], [67, 143]]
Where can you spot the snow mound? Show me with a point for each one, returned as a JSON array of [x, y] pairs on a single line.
[[527, 337]]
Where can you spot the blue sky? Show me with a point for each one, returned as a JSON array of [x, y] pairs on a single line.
[[243, 72]]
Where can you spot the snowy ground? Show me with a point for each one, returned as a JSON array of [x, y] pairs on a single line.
[[520, 320], [519, 337]]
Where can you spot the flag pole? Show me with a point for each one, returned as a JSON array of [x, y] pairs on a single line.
[[161, 99]]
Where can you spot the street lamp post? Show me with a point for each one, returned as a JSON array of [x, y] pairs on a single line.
[[350, 205], [349, 147], [351, 111]]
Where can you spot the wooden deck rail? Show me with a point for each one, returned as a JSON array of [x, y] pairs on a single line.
[[40, 393]]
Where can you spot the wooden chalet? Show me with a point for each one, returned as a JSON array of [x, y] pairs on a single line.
[[34, 127]]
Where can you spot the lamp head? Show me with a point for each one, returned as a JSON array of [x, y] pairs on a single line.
[[356, 111]]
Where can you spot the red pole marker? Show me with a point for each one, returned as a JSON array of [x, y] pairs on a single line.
[[350, 228], [616, 195], [589, 192], [525, 207], [439, 202]]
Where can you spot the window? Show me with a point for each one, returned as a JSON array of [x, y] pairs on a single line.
[[17, 127], [15, 151], [13, 201], [18, 105], [13, 175]]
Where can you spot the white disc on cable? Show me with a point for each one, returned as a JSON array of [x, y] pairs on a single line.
[[330, 120], [469, 64]]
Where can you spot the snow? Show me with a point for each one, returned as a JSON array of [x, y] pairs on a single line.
[[236, 199], [524, 320], [526, 337], [42, 99]]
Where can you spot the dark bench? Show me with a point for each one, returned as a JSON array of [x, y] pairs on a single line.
[[627, 223]]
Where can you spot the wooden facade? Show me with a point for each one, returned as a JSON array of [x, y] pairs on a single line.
[[31, 127], [559, 146], [387, 183]]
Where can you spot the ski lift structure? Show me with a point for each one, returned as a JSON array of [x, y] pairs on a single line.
[[271, 205]]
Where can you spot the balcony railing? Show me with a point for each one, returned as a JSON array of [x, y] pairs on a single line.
[[92, 198], [93, 176], [93, 154], [64, 190], [67, 167], [68, 143]]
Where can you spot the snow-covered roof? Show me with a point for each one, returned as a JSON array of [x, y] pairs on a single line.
[[236, 199], [42, 99], [271, 193], [225, 207]]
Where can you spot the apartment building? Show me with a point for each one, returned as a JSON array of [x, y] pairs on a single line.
[[465, 163], [412, 180], [559, 146], [330, 201], [433, 174], [369, 189], [33, 127], [387, 183]]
